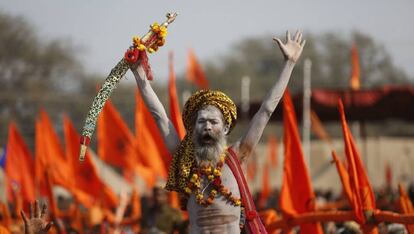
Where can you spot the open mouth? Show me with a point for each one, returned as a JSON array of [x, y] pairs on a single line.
[[207, 139]]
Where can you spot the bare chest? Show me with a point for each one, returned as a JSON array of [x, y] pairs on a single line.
[[221, 216]]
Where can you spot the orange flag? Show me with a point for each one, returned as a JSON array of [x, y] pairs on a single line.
[[76, 217], [388, 174], [265, 193], [297, 195], [50, 157], [344, 176], [406, 206], [85, 174], [363, 196], [147, 174], [6, 220], [318, 129], [272, 150], [136, 204], [115, 140], [51, 162], [151, 149], [251, 170], [19, 167], [49, 193], [174, 200], [40, 160], [268, 217], [175, 113], [355, 76], [195, 73]]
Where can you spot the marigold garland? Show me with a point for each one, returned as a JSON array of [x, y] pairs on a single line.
[[156, 40], [214, 177]]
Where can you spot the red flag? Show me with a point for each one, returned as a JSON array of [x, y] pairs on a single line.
[[174, 104], [355, 76], [149, 141], [363, 196], [19, 167], [195, 72], [85, 174], [297, 195], [115, 140]]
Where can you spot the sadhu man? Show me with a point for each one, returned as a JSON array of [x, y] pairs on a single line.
[[204, 169]]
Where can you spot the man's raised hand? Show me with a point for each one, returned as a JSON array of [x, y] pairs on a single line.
[[37, 223], [292, 49]]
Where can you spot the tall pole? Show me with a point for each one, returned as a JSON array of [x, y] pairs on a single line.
[[245, 96], [306, 110]]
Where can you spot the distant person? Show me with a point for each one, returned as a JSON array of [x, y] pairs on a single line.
[[161, 217]]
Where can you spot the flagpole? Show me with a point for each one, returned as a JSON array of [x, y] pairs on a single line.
[[245, 96], [306, 110]]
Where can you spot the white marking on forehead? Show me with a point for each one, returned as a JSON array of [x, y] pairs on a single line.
[[209, 112]]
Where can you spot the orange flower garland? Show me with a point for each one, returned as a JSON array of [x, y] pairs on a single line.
[[156, 40], [160, 32], [214, 177]]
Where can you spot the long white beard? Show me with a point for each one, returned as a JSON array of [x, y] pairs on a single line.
[[210, 153]]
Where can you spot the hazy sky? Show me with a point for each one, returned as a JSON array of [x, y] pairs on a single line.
[[103, 29]]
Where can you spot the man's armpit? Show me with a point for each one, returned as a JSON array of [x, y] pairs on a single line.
[[245, 151]]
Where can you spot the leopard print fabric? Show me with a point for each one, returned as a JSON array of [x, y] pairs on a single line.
[[109, 85]]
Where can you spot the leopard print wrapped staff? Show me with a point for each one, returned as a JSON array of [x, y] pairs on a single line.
[[150, 42]]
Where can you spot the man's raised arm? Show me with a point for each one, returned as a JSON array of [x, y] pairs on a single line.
[[291, 50], [156, 108]]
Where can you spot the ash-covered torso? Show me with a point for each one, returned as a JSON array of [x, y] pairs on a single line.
[[219, 217]]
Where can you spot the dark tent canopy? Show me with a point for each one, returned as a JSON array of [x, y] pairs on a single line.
[[377, 104]]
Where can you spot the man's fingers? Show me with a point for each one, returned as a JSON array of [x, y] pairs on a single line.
[[43, 213], [303, 43], [48, 226], [23, 216], [279, 42], [300, 37], [31, 210], [36, 209], [287, 36], [296, 36]]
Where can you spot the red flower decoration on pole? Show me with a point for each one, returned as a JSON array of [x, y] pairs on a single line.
[[131, 56]]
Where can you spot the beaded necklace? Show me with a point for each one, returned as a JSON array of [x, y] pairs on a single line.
[[213, 175]]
